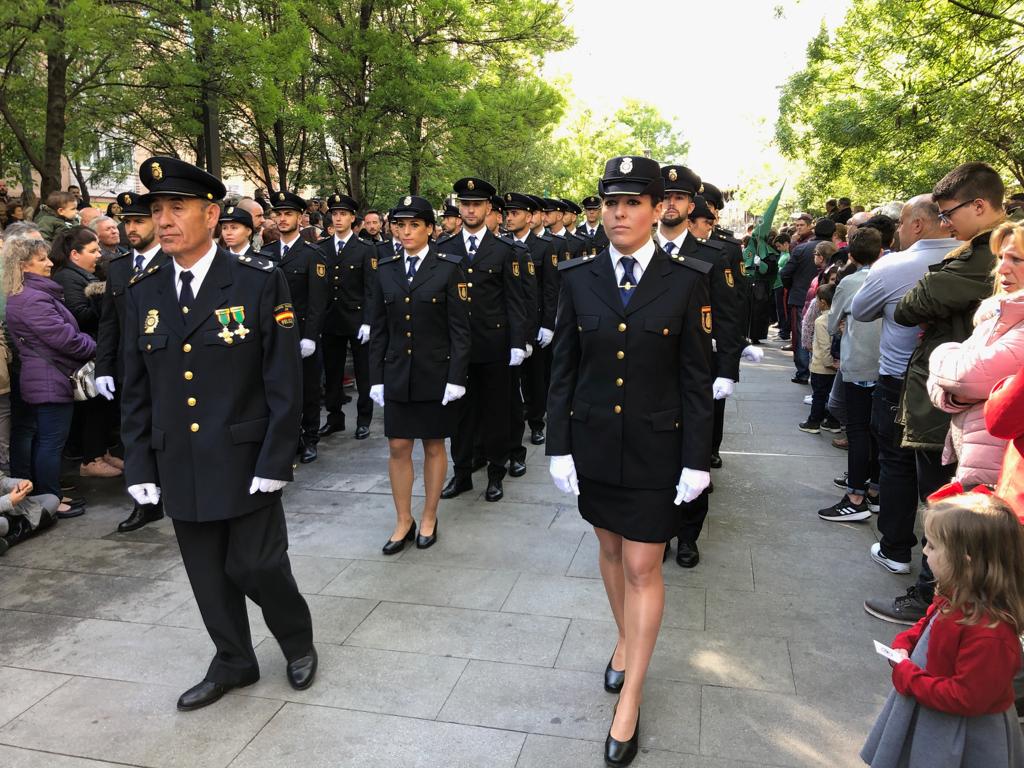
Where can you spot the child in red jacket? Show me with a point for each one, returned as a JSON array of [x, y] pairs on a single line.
[[953, 699]]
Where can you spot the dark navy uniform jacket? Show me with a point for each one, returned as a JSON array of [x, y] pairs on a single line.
[[109, 361], [305, 270], [350, 278], [211, 398]]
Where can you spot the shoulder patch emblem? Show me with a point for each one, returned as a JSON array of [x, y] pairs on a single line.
[[554, 260], [321, 270], [728, 278], [373, 262], [464, 291], [284, 315], [529, 267], [705, 318], [515, 269]]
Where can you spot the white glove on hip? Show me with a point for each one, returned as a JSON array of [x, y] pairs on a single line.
[[723, 388], [563, 472], [307, 347], [544, 336], [529, 351], [263, 485], [516, 357], [757, 261], [452, 392], [364, 334], [144, 493], [752, 353], [377, 394], [105, 386], [692, 483]]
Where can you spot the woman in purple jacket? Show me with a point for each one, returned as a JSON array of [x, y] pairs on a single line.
[[51, 348]]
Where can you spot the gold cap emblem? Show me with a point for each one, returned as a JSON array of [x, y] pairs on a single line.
[[672, 175], [626, 166], [230, 210], [127, 199], [470, 184], [280, 196], [156, 171], [508, 198], [407, 201], [701, 190]]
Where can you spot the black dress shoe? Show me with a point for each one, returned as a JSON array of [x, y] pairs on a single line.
[[456, 486], [494, 490], [362, 433], [394, 547], [619, 753], [537, 436], [426, 542], [716, 461], [330, 428], [516, 468], [140, 516], [302, 670], [206, 693], [613, 678], [308, 454], [687, 554]]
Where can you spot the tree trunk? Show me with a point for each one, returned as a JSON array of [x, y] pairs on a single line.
[[56, 102], [280, 154], [416, 150]]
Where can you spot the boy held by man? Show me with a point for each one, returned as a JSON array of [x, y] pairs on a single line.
[[823, 367]]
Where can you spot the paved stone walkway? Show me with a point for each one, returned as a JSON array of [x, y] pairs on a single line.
[[486, 650]]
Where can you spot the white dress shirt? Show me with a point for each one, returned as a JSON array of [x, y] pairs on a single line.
[[662, 240], [421, 256], [198, 270], [643, 256], [479, 235], [291, 244], [147, 256], [339, 243]]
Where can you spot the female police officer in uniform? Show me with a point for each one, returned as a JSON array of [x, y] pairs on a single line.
[[629, 414], [419, 359]]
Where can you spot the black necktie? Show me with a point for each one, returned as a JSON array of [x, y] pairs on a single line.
[[341, 246], [398, 247], [627, 283], [472, 247], [410, 271], [139, 258], [284, 251], [186, 297], [669, 247]]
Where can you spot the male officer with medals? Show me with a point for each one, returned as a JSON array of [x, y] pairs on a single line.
[[141, 234], [500, 325], [351, 271], [210, 412], [305, 270]]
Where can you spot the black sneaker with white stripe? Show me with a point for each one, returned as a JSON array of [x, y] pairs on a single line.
[[845, 511]]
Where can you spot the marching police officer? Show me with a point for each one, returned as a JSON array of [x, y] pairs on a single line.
[[351, 266], [566, 242], [629, 412], [305, 270], [210, 408], [593, 230], [498, 315], [138, 226]]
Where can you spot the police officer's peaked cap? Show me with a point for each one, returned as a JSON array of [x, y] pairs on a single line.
[[451, 210], [340, 202], [171, 176], [554, 204], [287, 201], [593, 201], [132, 205], [517, 201], [701, 210], [238, 215], [473, 189], [413, 207], [714, 196], [631, 175], [497, 203], [679, 178], [571, 207]]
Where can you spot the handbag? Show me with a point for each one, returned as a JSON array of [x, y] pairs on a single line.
[[83, 379]]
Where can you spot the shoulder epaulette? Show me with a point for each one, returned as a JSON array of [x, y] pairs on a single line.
[[445, 238], [545, 237], [570, 263], [152, 269], [261, 263], [553, 235], [366, 241], [452, 258], [715, 244], [120, 255], [697, 265]]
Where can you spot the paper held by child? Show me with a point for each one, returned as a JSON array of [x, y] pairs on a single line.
[[892, 655]]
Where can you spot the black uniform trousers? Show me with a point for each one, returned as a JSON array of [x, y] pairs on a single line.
[[311, 399], [718, 426], [517, 420], [335, 348], [536, 378], [691, 517], [229, 560], [484, 411]]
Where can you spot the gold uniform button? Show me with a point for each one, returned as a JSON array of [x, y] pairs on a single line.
[[469, 285], [185, 310], [408, 351], [622, 327], [618, 409], [664, 331], [149, 347], [619, 382], [191, 401], [470, 270], [194, 427], [186, 348], [408, 334], [620, 354], [188, 375], [408, 317], [433, 301], [407, 299]]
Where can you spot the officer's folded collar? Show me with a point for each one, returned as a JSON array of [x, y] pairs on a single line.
[[627, 186]]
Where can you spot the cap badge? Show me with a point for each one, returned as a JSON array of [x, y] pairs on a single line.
[[230, 210], [156, 170], [127, 199], [280, 196], [626, 166], [701, 190], [508, 198], [672, 174], [407, 201], [470, 185]]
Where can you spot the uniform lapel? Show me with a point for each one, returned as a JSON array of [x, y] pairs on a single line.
[[211, 293], [423, 271], [605, 284], [293, 251], [169, 311], [651, 284]]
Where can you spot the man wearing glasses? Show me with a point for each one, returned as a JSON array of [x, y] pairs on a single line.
[[942, 304]]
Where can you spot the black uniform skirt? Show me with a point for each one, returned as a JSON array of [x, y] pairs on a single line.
[[423, 421], [637, 514]]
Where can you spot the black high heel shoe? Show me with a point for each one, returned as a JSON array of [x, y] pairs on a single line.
[[621, 753], [613, 678], [426, 542], [394, 547]]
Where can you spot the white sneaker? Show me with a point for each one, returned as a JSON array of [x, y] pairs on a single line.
[[892, 566], [808, 399]]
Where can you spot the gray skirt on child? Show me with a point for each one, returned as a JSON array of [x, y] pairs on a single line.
[[910, 735]]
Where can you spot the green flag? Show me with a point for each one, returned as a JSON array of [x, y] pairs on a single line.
[[758, 246]]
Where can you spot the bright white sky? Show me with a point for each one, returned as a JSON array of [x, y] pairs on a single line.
[[714, 67]]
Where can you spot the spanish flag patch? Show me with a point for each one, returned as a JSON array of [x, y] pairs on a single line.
[[284, 315]]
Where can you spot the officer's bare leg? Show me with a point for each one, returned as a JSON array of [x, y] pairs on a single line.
[[435, 467], [401, 473], [645, 604], [609, 559]]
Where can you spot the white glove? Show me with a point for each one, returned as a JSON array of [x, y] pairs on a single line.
[[364, 334], [752, 354], [757, 261], [377, 394], [144, 493], [544, 336], [263, 485], [452, 392], [563, 472], [723, 388], [529, 351], [307, 347], [105, 386], [516, 357], [692, 483]]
